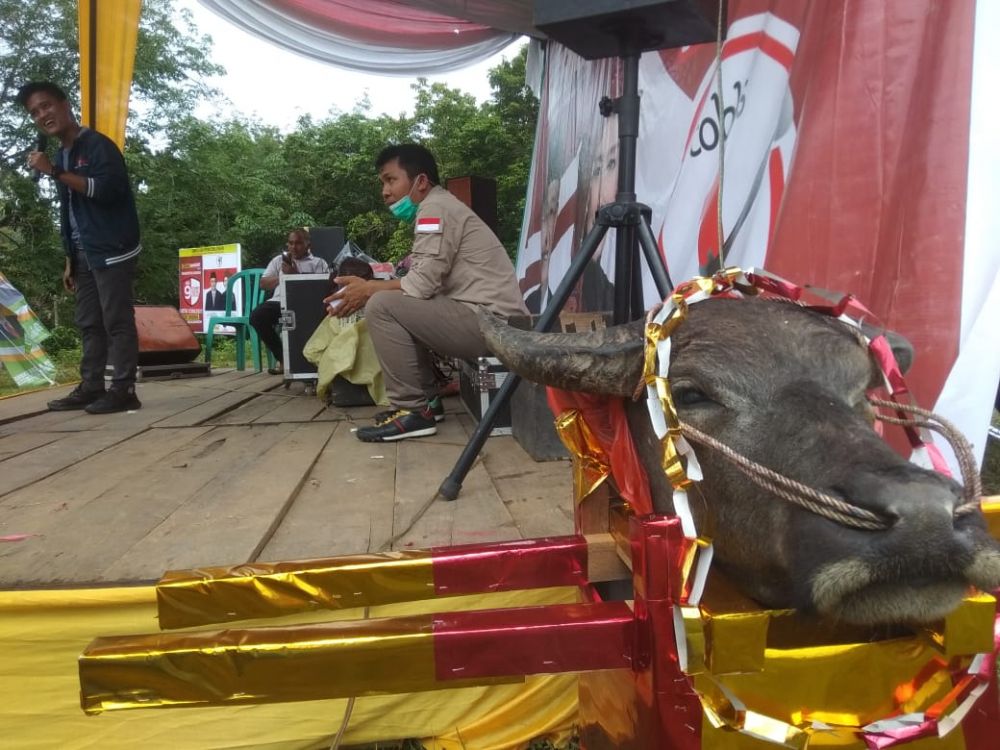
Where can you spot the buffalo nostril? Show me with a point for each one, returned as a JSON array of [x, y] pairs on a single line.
[[893, 515]]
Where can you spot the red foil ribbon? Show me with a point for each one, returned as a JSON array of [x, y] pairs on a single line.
[[981, 725], [665, 691], [533, 640], [605, 415], [508, 566]]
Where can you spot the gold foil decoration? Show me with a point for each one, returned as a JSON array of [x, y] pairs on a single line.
[[696, 638], [855, 683], [736, 642], [211, 595], [653, 331], [590, 466], [262, 665], [991, 510], [969, 628]]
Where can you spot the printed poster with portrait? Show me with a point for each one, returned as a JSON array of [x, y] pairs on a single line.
[[204, 274]]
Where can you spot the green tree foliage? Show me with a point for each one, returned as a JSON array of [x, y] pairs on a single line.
[[39, 41], [493, 140], [211, 183]]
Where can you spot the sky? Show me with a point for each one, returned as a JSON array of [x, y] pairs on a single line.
[[278, 86]]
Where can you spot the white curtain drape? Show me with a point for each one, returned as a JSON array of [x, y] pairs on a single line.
[[373, 36]]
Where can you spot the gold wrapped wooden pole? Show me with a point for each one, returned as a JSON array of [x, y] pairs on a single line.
[[353, 658], [187, 598]]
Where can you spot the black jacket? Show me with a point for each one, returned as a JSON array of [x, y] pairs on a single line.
[[105, 215]]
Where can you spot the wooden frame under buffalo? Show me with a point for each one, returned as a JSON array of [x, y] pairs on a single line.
[[654, 672]]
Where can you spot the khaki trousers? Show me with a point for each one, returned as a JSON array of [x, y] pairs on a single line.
[[405, 329]]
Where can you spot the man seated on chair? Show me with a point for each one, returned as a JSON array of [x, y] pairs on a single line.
[[458, 266], [264, 318]]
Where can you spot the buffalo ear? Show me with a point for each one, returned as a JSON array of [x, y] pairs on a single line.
[[902, 350]]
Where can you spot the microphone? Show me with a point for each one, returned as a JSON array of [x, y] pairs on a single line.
[[40, 143]]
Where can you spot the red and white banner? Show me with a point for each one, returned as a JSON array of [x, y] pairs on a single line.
[[856, 159]]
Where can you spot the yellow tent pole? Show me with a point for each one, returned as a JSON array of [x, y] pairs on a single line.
[[108, 33]]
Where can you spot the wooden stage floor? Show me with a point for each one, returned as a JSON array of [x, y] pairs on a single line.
[[234, 468]]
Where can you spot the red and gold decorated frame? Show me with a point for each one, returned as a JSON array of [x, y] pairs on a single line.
[[685, 664]]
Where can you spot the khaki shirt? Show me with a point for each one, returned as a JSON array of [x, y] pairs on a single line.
[[456, 255]]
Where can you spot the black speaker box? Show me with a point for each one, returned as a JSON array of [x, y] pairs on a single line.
[[327, 242], [609, 28]]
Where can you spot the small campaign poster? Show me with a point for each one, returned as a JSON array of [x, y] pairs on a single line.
[[203, 280]]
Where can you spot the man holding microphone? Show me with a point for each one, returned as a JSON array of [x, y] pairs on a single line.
[[100, 231]]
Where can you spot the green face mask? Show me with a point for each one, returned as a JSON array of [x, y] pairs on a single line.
[[404, 209]]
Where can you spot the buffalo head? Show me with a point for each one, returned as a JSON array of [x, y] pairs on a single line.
[[785, 387]]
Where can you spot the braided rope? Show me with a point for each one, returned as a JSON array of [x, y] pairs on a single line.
[[820, 503], [834, 508], [972, 488]]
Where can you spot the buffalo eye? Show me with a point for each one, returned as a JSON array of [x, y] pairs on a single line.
[[689, 395]]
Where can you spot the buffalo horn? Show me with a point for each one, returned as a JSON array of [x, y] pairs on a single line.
[[607, 361]]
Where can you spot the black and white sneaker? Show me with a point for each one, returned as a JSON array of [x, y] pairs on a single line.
[[399, 425], [78, 398], [115, 400], [435, 405]]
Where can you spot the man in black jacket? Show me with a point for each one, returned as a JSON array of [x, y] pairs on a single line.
[[100, 231]]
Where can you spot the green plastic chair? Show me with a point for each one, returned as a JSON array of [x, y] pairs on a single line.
[[253, 295]]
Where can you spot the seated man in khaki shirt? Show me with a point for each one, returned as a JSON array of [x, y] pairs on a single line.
[[458, 266]]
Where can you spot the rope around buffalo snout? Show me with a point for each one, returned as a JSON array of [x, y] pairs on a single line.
[[834, 508], [820, 503], [972, 487]]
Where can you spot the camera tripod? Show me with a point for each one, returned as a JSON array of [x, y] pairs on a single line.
[[632, 222]]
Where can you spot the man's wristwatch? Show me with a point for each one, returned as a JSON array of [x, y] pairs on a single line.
[[56, 171]]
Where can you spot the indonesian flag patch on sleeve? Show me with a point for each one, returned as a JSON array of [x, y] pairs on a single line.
[[430, 224]]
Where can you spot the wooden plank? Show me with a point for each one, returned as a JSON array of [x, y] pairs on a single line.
[[232, 517], [603, 561], [260, 404], [229, 375], [344, 507], [80, 483], [48, 421], [420, 520], [82, 519], [27, 404], [298, 409], [159, 401], [480, 515], [538, 495], [56, 456], [208, 410], [260, 383], [357, 416], [22, 442]]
